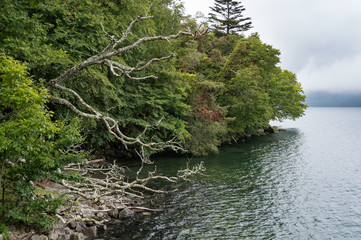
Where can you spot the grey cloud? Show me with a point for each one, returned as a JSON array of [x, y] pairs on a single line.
[[320, 40]]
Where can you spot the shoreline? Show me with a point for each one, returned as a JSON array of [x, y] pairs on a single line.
[[82, 219]]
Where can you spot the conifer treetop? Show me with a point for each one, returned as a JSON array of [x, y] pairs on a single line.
[[227, 17]]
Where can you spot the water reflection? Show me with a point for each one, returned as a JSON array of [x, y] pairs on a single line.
[[298, 184], [247, 192]]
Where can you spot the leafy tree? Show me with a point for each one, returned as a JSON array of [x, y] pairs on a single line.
[[247, 101], [31, 146], [286, 95], [255, 89], [71, 32], [53, 36], [227, 17], [206, 123]]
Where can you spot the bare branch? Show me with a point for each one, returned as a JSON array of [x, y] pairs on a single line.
[[146, 39], [153, 60], [83, 109], [110, 37], [80, 99], [141, 78], [114, 181], [72, 107], [196, 169], [125, 34]]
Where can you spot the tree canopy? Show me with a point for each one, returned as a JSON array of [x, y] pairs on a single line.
[[230, 81], [137, 78]]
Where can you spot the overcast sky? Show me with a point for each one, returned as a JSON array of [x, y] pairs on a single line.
[[320, 40]]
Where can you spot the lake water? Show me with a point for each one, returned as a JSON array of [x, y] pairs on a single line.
[[304, 183]]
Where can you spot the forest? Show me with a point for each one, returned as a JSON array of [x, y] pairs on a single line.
[[125, 79]]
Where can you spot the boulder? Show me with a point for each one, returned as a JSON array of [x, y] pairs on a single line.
[[113, 212], [271, 129], [72, 225], [79, 228], [126, 213], [63, 237], [53, 235], [68, 231], [37, 237], [90, 232], [77, 236]]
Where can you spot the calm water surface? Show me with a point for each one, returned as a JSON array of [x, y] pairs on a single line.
[[304, 183]]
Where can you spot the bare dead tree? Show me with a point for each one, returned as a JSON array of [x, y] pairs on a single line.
[[114, 181], [105, 58]]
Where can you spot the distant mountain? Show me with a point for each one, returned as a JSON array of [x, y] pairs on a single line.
[[327, 99]]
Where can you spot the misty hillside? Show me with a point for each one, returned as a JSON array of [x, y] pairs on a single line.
[[326, 99]]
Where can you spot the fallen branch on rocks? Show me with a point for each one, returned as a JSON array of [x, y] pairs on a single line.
[[113, 181]]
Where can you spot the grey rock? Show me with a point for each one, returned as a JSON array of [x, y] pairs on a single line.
[[79, 228], [68, 231], [64, 237], [82, 224], [72, 225], [90, 232], [61, 237], [113, 212], [1, 237], [53, 235], [37, 237], [77, 236], [126, 213]]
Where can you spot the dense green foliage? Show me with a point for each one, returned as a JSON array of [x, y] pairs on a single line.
[[32, 146], [52, 36], [256, 90], [227, 17], [219, 87]]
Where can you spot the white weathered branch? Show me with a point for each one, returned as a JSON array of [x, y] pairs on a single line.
[[114, 181], [196, 169], [111, 51], [114, 48]]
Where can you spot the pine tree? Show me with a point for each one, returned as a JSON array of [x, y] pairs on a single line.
[[227, 17]]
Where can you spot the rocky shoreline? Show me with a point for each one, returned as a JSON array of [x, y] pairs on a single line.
[[83, 219]]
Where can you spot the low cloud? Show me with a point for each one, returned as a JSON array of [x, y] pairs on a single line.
[[340, 75], [319, 40]]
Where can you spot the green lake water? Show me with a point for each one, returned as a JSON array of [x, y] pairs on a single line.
[[304, 183]]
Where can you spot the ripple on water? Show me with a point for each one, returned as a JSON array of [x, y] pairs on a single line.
[[304, 183]]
